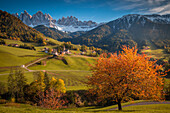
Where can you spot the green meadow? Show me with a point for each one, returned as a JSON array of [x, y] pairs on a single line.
[[25, 108], [11, 56], [73, 69], [157, 54]]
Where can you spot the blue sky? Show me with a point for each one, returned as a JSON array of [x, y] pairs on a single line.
[[95, 10]]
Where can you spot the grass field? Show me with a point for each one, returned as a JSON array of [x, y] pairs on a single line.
[[8, 41], [157, 54], [11, 56], [24, 108], [72, 71], [73, 74], [29, 76], [74, 80], [72, 63]]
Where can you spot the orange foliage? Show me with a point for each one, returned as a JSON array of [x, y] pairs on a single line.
[[51, 99], [126, 75]]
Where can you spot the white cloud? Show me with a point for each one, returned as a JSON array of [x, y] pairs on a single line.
[[161, 10], [127, 7], [135, 6], [142, 6]]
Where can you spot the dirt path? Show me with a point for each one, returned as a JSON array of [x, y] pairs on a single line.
[[141, 103], [36, 61]]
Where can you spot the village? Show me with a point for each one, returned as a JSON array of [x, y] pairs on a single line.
[[56, 52]]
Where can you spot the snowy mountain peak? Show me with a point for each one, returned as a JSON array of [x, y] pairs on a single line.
[[127, 21], [73, 21], [163, 19], [66, 24], [25, 17], [72, 24]]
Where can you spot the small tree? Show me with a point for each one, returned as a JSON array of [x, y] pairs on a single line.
[[3, 88], [46, 81], [126, 75], [51, 99], [40, 81], [21, 81], [11, 84], [83, 48], [57, 85], [16, 83]]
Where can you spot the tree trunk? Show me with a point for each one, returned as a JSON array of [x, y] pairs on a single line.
[[119, 105]]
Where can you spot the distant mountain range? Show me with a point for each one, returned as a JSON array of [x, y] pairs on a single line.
[[130, 30], [69, 24], [133, 30]]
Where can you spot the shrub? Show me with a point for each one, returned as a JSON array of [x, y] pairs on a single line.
[[51, 99]]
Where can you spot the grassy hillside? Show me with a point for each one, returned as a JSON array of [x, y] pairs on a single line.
[[11, 56], [72, 69], [13, 42], [74, 80], [157, 54], [13, 28], [29, 76], [24, 108], [68, 63]]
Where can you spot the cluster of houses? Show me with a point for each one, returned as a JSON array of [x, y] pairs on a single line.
[[54, 51], [13, 45], [146, 48]]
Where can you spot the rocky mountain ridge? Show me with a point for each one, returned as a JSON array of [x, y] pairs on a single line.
[[133, 29], [127, 21], [69, 24]]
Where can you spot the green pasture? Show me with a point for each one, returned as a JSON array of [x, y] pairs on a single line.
[[70, 63], [25, 108], [11, 56], [157, 54]]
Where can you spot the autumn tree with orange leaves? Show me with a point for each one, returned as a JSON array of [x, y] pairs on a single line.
[[126, 75]]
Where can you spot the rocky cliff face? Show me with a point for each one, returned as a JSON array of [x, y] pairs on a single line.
[[69, 24], [26, 18], [73, 21], [37, 19]]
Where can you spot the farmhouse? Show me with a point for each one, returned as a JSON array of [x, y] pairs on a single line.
[[54, 52]]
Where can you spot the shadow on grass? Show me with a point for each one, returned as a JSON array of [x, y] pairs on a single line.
[[96, 107], [117, 111], [126, 110], [30, 56]]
